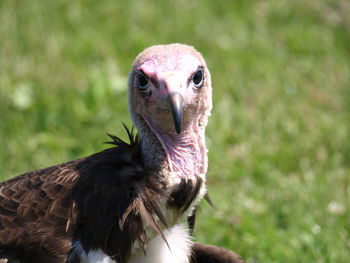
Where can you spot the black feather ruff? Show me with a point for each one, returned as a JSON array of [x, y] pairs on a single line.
[[117, 197]]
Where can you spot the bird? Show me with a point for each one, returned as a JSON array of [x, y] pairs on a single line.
[[129, 202]]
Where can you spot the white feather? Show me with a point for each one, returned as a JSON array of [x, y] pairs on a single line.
[[157, 250], [97, 256]]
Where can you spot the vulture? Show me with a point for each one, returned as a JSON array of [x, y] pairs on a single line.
[[130, 202]]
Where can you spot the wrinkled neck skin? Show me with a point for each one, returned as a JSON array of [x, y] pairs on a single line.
[[186, 153], [177, 156]]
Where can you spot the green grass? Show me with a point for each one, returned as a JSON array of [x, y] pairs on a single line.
[[279, 134]]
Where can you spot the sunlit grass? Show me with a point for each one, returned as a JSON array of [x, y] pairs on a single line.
[[279, 132]]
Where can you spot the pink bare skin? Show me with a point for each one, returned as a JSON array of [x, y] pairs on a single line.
[[172, 72]]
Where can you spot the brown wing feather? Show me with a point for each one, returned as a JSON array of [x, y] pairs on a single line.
[[102, 201], [34, 210]]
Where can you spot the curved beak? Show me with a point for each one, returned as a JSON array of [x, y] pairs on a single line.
[[175, 104]]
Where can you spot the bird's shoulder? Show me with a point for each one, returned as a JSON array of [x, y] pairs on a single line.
[[59, 178], [44, 206]]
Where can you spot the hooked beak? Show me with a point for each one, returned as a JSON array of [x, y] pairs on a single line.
[[175, 104]]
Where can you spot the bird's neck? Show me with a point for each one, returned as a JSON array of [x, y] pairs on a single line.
[[184, 155]]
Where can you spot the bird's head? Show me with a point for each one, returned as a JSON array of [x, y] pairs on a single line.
[[170, 88], [170, 95]]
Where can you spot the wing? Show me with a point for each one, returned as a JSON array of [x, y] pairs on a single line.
[[102, 201], [36, 212]]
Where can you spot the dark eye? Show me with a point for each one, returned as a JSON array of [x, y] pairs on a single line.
[[142, 81], [198, 78]]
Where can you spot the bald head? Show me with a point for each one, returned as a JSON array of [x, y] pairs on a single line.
[[170, 88]]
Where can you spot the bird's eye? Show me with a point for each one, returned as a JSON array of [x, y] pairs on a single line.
[[142, 81], [198, 78]]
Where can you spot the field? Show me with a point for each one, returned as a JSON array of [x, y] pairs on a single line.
[[278, 137]]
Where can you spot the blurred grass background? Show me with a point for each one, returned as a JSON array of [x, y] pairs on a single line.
[[279, 133]]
